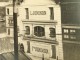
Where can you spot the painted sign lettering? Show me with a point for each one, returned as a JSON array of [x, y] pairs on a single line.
[[37, 12], [39, 49]]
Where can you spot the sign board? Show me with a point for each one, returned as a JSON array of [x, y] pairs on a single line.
[[37, 12], [38, 49]]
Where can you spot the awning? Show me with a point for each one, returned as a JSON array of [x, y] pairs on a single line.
[[10, 56]]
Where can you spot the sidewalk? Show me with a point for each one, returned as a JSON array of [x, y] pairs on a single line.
[[37, 58]]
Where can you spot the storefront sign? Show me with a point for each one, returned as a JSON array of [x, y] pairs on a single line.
[[37, 49], [40, 48], [37, 12]]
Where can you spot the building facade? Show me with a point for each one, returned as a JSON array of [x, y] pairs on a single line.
[[9, 20], [39, 24], [71, 29], [10, 24], [41, 28]]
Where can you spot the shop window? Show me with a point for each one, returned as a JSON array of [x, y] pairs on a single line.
[[27, 30], [8, 11], [39, 31], [51, 13], [52, 32], [27, 13], [8, 31]]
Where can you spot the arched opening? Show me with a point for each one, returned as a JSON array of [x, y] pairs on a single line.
[[39, 31], [21, 47]]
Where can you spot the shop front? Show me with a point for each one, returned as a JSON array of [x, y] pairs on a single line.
[[41, 49]]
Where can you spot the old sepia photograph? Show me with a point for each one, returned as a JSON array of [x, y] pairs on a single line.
[[39, 29]]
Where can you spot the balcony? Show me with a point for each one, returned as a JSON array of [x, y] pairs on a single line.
[[40, 39], [46, 22]]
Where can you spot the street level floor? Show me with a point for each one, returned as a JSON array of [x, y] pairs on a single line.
[[37, 58]]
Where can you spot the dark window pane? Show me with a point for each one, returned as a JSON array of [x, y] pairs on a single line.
[[27, 13], [52, 32], [27, 30], [8, 11], [39, 31], [8, 31], [28, 43], [54, 51], [51, 13]]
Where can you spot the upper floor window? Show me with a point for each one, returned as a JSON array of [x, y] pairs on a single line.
[[27, 13], [39, 31], [27, 30], [10, 21], [72, 31], [8, 11], [66, 31], [72, 37], [52, 32], [18, 29], [70, 34], [51, 13], [66, 36], [8, 31], [20, 1]]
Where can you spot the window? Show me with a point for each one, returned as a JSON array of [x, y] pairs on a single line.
[[51, 13], [66, 36], [52, 32], [27, 13], [69, 34], [72, 37], [8, 11], [21, 47], [19, 1], [18, 29], [72, 31], [54, 51], [39, 31], [8, 31], [10, 21], [66, 31], [28, 46], [27, 30]]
